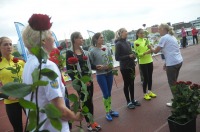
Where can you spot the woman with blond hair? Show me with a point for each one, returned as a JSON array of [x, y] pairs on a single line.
[[54, 92], [13, 108], [126, 57], [84, 68], [170, 49]]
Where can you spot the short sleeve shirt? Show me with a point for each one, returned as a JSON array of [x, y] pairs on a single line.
[[170, 49], [47, 93]]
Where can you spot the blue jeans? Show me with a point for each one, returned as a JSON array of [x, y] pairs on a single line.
[[105, 82]]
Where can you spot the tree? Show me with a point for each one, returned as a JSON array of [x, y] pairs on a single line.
[[108, 35]]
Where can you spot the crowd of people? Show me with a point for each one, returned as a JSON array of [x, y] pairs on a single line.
[[98, 60]]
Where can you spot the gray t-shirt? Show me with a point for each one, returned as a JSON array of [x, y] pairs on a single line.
[[100, 57]]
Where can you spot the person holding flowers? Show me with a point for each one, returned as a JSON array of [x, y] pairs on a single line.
[[77, 59], [170, 49], [126, 57], [38, 34], [7, 61], [102, 62], [145, 62]]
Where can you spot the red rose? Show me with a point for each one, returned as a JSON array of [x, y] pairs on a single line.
[[137, 45], [85, 58], [60, 47], [54, 59], [181, 82], [72, 60], [194, 86], [176, 83], [15, 60], [188, 82], [103, 49], [40, 22], [54, 52]]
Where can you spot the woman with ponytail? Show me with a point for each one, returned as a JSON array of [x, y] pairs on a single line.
[[170, 49], [145, 63], [101, 62], [83, 67], [125, 56]]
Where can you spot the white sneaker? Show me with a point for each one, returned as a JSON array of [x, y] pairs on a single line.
[[169, 104]]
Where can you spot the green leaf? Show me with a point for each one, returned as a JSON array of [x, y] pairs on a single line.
[[85, 79], [49, 73], [36, 51], [84, 91], [75, 84], [75, 107], [85, 109], [17, 90], [73, 98], [27, 104], [40, 124], [44, 55], [89, 116], [56, 123], [10, 68], [35, 75], [115, 72], [18, 68], [52, 111], [32, 120], [69, 71], [16, 79], [41, 83]]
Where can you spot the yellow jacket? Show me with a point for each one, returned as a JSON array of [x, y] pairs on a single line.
[[140, 46], [6, 76]]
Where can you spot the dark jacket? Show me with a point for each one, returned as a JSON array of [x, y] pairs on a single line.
[[122, 52]]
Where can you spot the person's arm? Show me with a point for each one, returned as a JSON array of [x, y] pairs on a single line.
[[156, 50], [147, 52], [66, 114], [161, 44]]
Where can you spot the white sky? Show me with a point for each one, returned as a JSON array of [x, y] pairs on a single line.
[[95, 15]]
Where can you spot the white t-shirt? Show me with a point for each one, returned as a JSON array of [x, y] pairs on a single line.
[[170, 49], [45, 93]]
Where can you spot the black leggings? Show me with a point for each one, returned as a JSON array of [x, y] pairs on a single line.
[[128, 77], [195, 37], [147, 71], [14, 112], [184, 42], [89, 102]]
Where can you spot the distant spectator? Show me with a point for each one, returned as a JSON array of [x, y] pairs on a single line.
[[184, 34], [194, 35]]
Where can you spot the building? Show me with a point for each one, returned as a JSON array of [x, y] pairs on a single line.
[[131, 36], [152, 29], [196, 22], [178, 26]]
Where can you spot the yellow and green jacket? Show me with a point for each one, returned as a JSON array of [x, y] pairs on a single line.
[[141, 46], [6, 76]]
